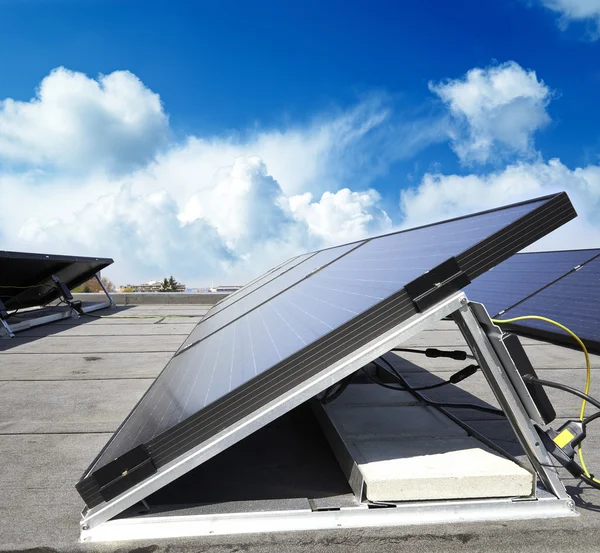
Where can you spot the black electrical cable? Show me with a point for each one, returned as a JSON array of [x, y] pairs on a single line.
[[419, 389], [591, 418], [428, 401], [331, 395], [457, 354], [589, 480], [563, 387]]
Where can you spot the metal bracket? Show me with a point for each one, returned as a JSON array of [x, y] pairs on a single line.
[[498, 374], [5, 331], [112, 302]]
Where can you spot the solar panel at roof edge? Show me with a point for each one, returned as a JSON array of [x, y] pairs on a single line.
[[573, 301], [34, 271], [298, 327], [523, 274]]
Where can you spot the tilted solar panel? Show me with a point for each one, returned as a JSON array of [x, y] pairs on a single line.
[[573, 301], [296, 325], [522, 275], [26, 278]]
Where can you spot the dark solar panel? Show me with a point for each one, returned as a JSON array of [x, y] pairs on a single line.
[[520, 276], [26, 278], [573, 301], [297, 324]]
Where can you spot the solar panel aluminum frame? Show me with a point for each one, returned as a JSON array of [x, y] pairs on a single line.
[[551, 501], [274, 409], [410, 513], [390, 315]]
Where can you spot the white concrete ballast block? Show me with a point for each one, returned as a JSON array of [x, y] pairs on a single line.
[[409, 452]]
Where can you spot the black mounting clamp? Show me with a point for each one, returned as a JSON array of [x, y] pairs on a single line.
[[437, 284], [66, 295], [5, 331], [3, 311]]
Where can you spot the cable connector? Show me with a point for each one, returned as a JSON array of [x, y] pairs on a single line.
[[568, 436], [464, 373], [454, 354]]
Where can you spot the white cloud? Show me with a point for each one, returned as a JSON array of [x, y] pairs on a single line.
[[141, 232], [343, 216], [442, 196], [227, 208], [239, 226], [112, 124], [497, 111], [577, 10], [89, 162]]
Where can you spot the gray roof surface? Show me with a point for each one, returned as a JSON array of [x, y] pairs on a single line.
[[65, 387]]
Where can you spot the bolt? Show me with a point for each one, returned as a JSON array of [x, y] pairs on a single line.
[[85, 527], [570, 504], [463, 300]]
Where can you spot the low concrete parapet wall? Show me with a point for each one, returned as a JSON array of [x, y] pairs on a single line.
[[154, 298]]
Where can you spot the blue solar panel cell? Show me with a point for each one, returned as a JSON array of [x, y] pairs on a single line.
[[573, 301], [520, 276], [213, 322], [258, 282]]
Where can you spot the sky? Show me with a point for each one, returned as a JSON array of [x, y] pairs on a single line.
[[212, 140]]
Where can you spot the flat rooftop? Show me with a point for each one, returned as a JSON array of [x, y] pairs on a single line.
[[67, 386]]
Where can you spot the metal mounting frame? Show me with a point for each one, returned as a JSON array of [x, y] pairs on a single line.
[[550, 500], [48, 314]]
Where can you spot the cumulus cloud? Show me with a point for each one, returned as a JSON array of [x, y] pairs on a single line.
[[91, 165], [441, 196], [343, 216], [497, 110], [113, 123], [92, 162], [142, 232], [586, 11], [239, 226]]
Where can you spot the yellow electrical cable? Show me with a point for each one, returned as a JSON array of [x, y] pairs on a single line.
[[588, 377]]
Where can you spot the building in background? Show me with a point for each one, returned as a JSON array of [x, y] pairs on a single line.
[[152, 286], [225, 289]]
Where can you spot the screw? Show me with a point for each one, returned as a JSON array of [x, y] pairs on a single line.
[[463, 300], [570, 504], [85, 527]]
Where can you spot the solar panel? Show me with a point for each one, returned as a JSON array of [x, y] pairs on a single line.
[[522, 275], [573, 301], [275, 337], [26, 278]]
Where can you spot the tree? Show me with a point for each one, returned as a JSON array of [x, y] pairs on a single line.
[[92, 285], [169, 285]]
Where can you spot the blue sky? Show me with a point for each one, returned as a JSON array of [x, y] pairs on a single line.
[[256, 86]]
